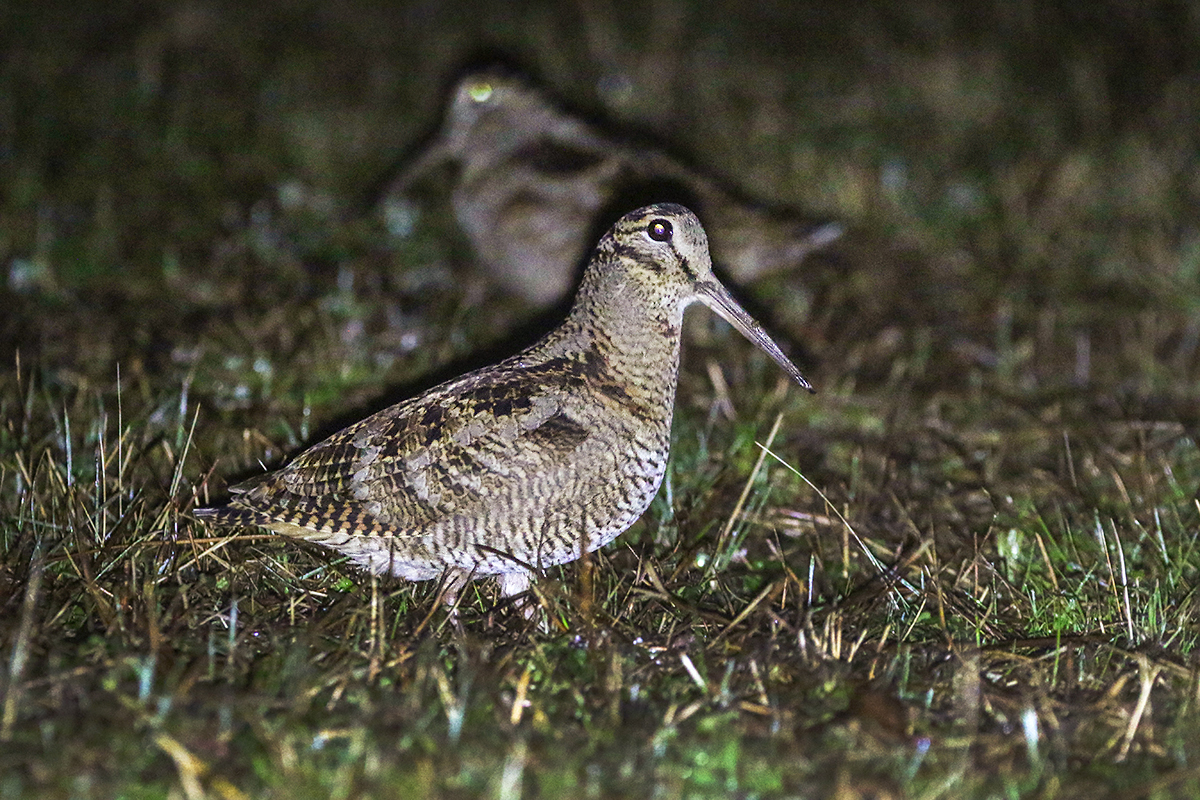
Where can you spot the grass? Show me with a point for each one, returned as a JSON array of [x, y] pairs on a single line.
[[966, 568]]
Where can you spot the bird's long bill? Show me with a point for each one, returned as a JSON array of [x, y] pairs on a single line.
[[718, 298]]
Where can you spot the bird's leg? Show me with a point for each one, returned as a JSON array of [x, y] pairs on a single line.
[[516, 583], [453, 581]]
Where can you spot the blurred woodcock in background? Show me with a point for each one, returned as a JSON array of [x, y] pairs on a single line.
[[529, 463], [530, 183]]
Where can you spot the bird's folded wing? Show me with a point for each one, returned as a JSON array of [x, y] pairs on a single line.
[[442, 453]]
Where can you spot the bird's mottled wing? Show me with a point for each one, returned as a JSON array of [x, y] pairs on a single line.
[[445, 452]]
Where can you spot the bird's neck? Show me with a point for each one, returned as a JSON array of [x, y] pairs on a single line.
[[634, 341]]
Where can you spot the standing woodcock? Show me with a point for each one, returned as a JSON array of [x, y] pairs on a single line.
[[528, 181], [529, 463]]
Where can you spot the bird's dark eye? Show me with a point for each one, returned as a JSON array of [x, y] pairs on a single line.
[[659, 230]]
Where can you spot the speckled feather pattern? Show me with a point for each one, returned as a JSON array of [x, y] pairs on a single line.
[[519, 466]]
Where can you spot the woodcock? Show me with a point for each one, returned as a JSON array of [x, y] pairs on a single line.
[[528, 181], [529, 463]]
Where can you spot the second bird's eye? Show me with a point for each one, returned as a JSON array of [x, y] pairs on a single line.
[[659, 230]]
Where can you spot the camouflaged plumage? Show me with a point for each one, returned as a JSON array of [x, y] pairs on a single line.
[[531, 462]]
